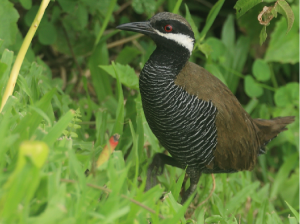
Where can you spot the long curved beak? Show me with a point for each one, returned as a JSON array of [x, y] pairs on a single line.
[[139, 27]]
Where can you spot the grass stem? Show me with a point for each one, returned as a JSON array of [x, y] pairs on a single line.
[[23, 50]]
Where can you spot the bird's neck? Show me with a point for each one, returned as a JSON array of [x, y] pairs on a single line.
[[165, 63]]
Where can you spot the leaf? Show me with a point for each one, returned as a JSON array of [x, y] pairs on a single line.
[[296, 214], [242, 6], [190, 20], [261, 219], [205, 49], [141, 6], [241, 196], [100, 79], [214, 219], [126, 73], [8, 20], [284, 47], [286, 95], [127, 54], [211, 18], [283, 174], [36, 150], [177, 6], [47, 33], [55, 132], [82, 15], [263, 35], [217, 47], [119, 123], [26, 4], [213, 69], [251, 88], [108, 149], [261, 70], [67, 5], [285, 9]]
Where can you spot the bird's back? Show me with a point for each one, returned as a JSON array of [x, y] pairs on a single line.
[[240, 139]]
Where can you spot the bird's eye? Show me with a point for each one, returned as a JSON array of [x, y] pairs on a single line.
[[168, 28]]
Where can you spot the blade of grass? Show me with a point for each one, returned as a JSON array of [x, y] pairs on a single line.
[[176, 7], [58, 128], [106, 20], [118, 128]]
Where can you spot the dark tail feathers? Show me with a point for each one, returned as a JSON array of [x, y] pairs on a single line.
[[269, 129]]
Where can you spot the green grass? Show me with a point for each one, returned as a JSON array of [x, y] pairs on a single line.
[[59, 119]]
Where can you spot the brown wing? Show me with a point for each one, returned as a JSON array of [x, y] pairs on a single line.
[[238, 144]]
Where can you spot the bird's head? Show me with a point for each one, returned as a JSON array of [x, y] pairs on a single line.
[[166, 29]]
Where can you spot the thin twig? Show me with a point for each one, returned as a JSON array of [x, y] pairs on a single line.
[[123, 41], [122, 195], [211, 192]]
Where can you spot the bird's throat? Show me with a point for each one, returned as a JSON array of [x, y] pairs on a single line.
[[165, 63]]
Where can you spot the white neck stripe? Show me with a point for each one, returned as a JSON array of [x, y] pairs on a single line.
[[184, 40]]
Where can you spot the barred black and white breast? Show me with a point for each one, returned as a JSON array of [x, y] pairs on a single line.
[[183, 123]]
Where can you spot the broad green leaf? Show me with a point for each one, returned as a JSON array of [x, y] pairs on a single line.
[[83, 16], [47, 33], [141, 6], [242, 6], [217, 47], [7, 58], [251, 88], [285, 9], [284, 47], [211, 18], [26, 4], [261, 70], [126, 55], [36, 150], [67, 5], [126, 73], [286, 95], [30, 15], [205, 49], [296, 214], [8, 20]]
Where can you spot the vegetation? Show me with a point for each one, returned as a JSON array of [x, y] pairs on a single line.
[[78, 85]]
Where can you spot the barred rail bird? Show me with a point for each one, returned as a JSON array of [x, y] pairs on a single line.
[[191, 112]]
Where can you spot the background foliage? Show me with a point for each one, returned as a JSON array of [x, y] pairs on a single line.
[[69, 99]]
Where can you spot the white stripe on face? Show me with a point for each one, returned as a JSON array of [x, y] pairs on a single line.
[[183, 40]]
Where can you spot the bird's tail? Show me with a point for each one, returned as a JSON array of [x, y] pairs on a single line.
[[269, 129]]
